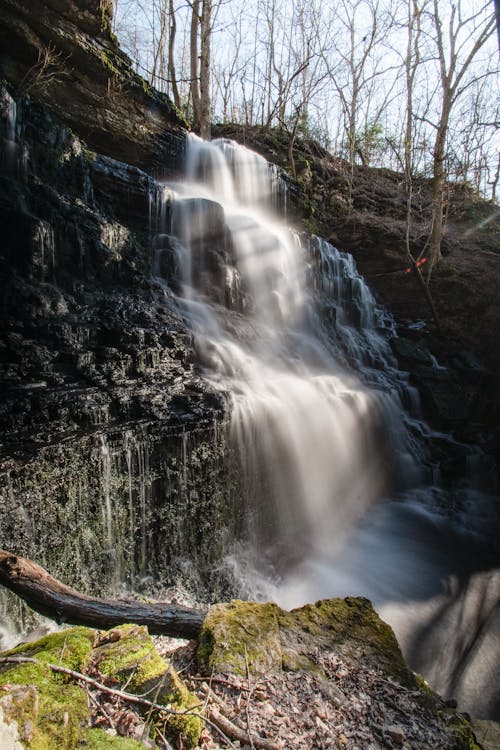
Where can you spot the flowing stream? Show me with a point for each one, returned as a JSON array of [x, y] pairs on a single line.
[[340, 492]]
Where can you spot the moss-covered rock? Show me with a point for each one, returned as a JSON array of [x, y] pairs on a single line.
[[49, 711], [9, 736], [115, 110], [129, 655], [57, 712], [19, 710], [70, 648], [46, 710], [350, 626], [240, 636], [262, 637]]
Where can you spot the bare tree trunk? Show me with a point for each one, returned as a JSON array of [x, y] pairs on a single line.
[[195, 83], [171, 47], [438, 176], [291, 143], [412, 62], [452, 72], [160, 47], [494, 182], [204, 120]]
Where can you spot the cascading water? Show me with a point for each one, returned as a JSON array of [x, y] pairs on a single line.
[[325, 425], [308, 432]]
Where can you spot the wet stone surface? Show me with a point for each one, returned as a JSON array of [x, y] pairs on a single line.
[[107, 425]]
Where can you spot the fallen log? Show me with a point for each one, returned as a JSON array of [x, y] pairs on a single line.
[[53, 599]]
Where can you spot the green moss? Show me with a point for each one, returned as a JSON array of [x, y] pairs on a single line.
[[56, 711], [459, 728], [70, 648], [62, 714], [304, 171], [292, 661], [128, 654], [98, 739], [89, 155], [175, 694], [423, 685], [262, 637], [240, 636], [351, 625], [107, 57]]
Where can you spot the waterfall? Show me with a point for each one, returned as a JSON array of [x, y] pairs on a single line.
[[14, 154], [318, 443], [338, 485]]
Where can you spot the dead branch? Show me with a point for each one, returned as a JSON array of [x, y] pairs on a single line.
[[59, 602], [128, 697], [210, 695], [236, 733]]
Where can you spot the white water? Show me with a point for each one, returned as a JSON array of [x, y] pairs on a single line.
[[15, 154], [337, 483]]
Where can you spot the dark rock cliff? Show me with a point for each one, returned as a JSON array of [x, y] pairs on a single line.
[[108, 431]]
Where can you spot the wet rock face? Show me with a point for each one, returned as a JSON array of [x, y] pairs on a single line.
[[455, 391], [113, 453]]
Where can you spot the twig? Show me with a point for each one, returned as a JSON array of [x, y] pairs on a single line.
[[132, 675], [247, 706], [159, 686], [101, 709], [167, 744], [225, 708], [130, 697], [63, 649]]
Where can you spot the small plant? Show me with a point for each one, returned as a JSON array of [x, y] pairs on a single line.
[[48, 69]]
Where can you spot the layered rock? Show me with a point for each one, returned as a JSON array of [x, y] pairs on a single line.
[[107, 424], [66, 57]]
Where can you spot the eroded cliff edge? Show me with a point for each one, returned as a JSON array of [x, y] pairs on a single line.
[[63, 55]]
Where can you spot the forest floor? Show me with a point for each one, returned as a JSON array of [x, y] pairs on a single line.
[[359, 708]]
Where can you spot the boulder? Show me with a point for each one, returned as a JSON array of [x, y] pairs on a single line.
[[334, 659]]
